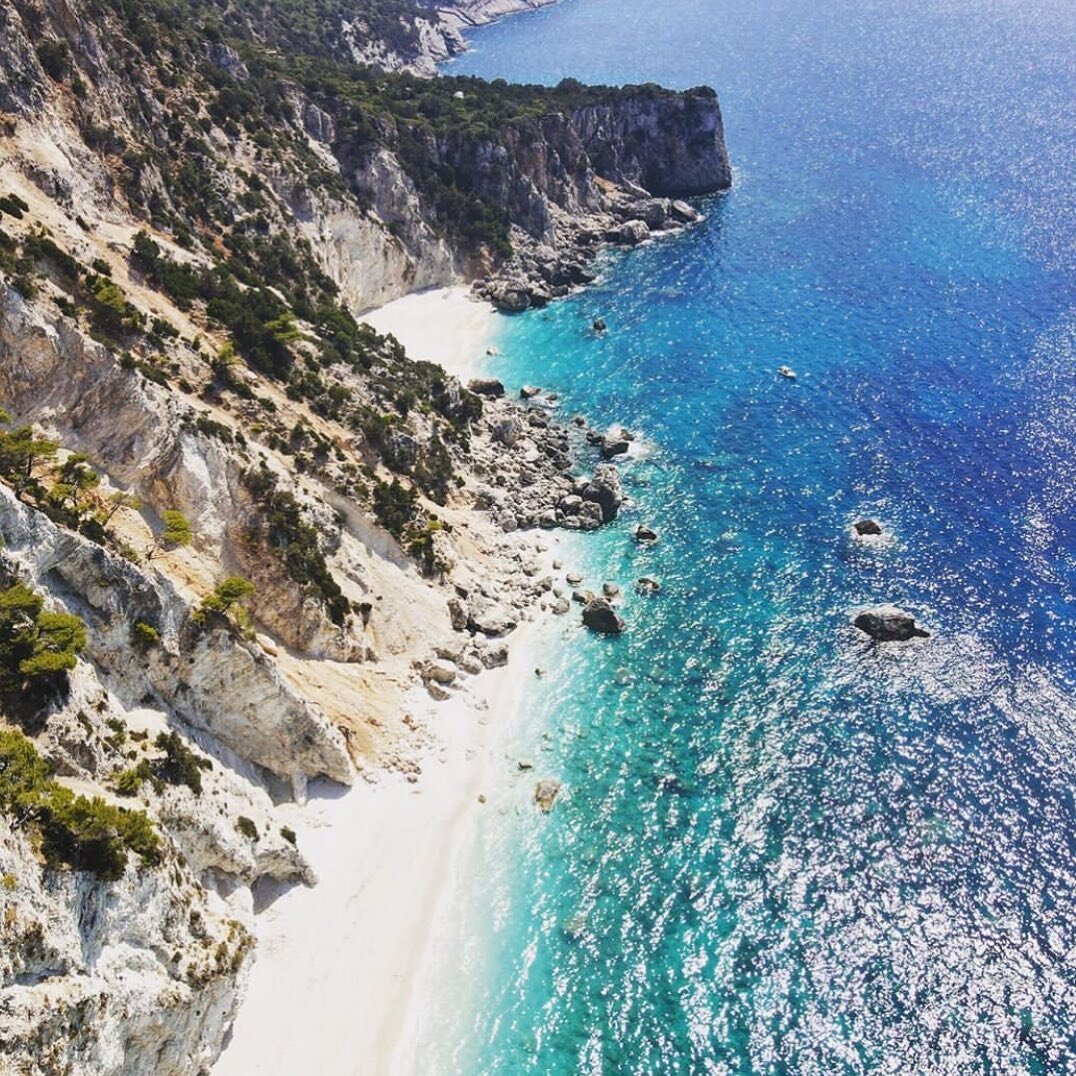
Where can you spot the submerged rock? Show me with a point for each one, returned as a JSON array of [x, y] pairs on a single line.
[[575, 926], [600, 616], [545, 794], [887, 624], [647, 585]]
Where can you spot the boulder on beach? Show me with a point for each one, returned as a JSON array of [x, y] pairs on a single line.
[[458, 615], [600, 616], [589, 517], [867, 527], [486, 386], [494, 657], [441, 671], [508, 431], [888, 624], [545, 794], [490, 618]]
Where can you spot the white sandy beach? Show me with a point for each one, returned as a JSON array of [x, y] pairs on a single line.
[[342, 968], [447, 326]]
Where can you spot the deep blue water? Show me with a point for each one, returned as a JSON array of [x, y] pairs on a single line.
[[782, 849]]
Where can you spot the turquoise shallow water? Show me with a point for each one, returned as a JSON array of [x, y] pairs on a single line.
[[781, 849]]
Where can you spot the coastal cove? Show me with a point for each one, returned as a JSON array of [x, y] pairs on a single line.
[[538, 545]]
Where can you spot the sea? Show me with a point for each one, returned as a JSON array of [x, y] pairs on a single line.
[[779, 846]]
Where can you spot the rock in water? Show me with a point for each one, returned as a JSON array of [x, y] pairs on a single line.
[[643, 533], [529, 392], [599, 325], [486, 386], [633, 232], [647, 585], [867, 527], [888, 624], [609, 449], [605, 491], [545, 794], [575, 926], [599, 615]]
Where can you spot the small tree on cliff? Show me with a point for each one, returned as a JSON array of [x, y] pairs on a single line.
[[37, 648], [22, 451], [225, 602], [176, 533]]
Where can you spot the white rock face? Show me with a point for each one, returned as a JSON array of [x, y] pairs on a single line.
[[213, 681], [143, 974], [380, 255]]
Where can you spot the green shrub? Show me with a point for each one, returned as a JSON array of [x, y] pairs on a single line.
[[128, 782], [394, 506], [175, 533], [144, 636], [180, 766], [55, 58], [224, 600], [295, 541], [246, 827]]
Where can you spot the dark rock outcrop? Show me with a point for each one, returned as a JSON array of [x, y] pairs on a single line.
[[605, 491], [867, 528], [486, 386], [887, 624], [600, 616]]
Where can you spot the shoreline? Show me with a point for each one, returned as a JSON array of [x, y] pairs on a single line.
[[360, 949]]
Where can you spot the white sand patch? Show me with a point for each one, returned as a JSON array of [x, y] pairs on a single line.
[[447, 326]]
